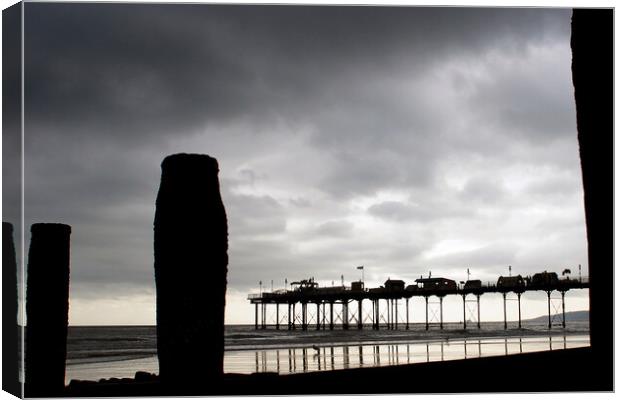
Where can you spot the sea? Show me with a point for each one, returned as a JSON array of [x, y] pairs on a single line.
[[103, 352]]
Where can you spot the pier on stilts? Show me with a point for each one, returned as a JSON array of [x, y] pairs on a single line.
[[342, 306]]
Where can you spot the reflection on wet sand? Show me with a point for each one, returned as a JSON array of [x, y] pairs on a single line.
[[321, 358]]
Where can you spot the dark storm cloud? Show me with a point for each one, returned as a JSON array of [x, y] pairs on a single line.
[[149, 70]]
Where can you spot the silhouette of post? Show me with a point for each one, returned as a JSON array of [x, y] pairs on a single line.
[[10, 328], [47, 309], [592, 44], [191, 259]]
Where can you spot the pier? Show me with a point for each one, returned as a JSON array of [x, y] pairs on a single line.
[[343, 305]]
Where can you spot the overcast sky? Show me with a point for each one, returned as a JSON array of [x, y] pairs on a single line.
[[406, 140]]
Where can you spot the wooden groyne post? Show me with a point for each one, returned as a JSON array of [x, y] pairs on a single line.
[[47, 309], [10, 328], [191, 259]]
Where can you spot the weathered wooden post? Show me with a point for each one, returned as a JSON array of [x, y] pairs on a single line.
[[47, 309], [191, 259], [10, 329]]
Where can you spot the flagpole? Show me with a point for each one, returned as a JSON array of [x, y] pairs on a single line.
[[362, 268]]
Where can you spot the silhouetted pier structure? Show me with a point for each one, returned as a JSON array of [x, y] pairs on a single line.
[[307, 293]]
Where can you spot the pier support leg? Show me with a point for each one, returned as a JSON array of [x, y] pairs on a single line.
[[549, 307], [294, 317], [360, 320], [277, 316], [505, 321], [396, 314], [318, 314], [304, 316], [373, 314], [464, 313], [378, 314], [407, 312], [391, 313], [478, 307], [288, 314], [519, 307], [323, 316], [345, 315], [426, 301], [387, 319], [256, 316], [331, 316], [387, 315], [563, 310], [264, 316], [441, 312]]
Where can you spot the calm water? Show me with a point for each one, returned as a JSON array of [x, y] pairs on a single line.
[[104, 352]]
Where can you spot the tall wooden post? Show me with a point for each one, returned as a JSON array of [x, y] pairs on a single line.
[[10, 327], [191, 248], [47, 309]]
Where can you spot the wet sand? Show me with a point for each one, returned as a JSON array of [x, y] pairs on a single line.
[[558, 370]]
